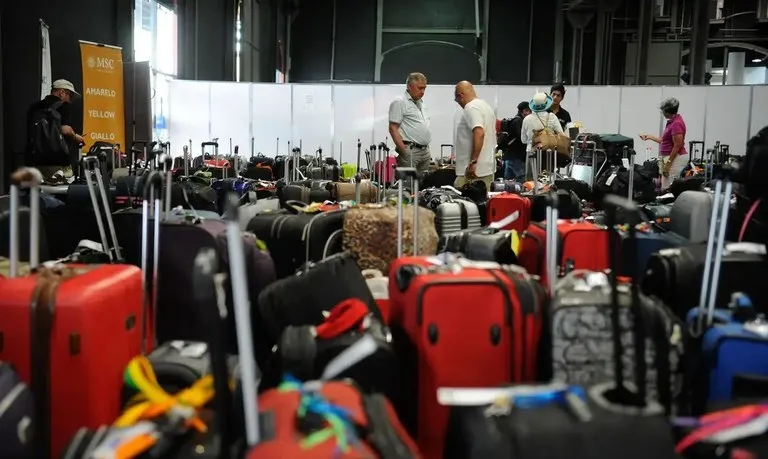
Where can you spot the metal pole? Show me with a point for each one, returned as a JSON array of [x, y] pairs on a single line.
[[645, 30], [699, 40], [333, 43]]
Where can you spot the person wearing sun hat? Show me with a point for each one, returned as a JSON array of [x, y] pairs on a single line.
[[539, 119], [60, 99]]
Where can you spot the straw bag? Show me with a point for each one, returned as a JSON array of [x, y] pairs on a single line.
[[548, 139]]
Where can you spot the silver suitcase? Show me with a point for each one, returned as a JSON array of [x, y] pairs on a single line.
[[689, 216], [455, 216]]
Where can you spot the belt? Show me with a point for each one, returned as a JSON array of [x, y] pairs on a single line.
[[414, 144]]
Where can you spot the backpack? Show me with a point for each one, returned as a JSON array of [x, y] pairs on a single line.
[[47, 143]]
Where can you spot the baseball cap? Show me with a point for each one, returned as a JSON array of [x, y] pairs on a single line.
[[65, 84]]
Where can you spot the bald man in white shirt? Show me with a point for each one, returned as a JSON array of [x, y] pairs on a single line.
[[475, 138]]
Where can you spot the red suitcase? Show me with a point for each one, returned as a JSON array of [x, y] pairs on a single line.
[[582, 246], [473, 328], [70, 331], [505, 204]]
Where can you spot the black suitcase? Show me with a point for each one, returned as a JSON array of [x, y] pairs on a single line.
[[674, 276], [16, 415], [296, 238]]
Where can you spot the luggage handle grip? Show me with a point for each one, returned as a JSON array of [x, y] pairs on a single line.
[[152, 190], [721, 206], [242, 309], [210, 144], [25, 178], [403, 173]]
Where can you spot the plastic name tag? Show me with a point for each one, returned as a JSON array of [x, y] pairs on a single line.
[[610, 179]]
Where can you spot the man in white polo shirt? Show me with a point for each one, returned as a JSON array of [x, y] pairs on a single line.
[[475, 138], [409, 125]]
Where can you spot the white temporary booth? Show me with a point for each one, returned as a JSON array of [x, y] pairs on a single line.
[[335, 116]]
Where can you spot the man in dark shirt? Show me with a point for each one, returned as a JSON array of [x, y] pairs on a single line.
[[61, 91], [513, 149], [557, 91]]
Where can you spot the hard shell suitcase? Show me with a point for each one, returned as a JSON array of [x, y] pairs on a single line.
[[70, 320], [689, 216], [17, 415], [608, 420], [457, 215]]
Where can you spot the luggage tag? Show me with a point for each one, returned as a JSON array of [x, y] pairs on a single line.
[[501, 402], [745, 247], [611, 178], [508, 220], [127, 442]]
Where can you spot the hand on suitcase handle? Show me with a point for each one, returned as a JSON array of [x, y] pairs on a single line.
[[27, 177]]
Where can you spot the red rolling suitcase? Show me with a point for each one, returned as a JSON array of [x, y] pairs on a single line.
[[69, 330], [582, 246], [505, 204], [470, 325]]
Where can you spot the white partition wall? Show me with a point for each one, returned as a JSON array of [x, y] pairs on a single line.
[[640, 114], [353, 115], [334, 117], [759, 104], [271, 115]]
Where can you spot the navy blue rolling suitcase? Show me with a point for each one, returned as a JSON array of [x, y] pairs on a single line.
[[733, 340]]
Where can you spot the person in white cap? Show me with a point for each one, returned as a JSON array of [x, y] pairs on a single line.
[[539, 119], [54, 163]]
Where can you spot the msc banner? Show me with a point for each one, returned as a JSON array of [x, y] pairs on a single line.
[[103, 113]]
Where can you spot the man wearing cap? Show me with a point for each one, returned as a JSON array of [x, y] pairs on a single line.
[[409, 125], [62, 94]]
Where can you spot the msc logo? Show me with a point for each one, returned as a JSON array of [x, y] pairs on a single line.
[[101, 63]]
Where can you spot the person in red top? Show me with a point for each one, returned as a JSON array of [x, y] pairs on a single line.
[[671, 143]]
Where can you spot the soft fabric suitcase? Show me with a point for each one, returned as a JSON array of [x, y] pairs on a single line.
[[604, 420], [370, 232], [568, 204], [496, 341], [66, 320], [581, 188], [674, 275], [297, 238], [304, 351], [17, 419], [374, 426], [295, 300], [348, 171], [484, 244], [505, 204], [343, 191], [582, 245]]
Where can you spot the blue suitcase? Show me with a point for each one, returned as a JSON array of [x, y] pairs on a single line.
[[733, 341]]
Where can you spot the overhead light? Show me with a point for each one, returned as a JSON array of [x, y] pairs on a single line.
[[757, 61]]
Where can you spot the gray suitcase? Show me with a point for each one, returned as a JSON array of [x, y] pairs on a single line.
[[689, 216], [455, 216]]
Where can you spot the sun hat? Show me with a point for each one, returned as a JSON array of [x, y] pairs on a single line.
[[65, 84], [540, 102]]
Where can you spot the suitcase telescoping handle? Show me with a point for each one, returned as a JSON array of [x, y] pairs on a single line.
[[695, 148], [92, 168], [167, 164], [242, 308], [613, 204], [442, 149], [210, 298], [30, 178], [402, 174], [718, 227], [629, 153], [359, 152], [186, 161], [552, 237], [152, 194]]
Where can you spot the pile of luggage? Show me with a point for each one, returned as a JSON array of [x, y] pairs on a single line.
[[384, 320]]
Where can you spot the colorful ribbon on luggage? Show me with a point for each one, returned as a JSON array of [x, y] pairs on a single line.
[[714, 423], [338, 419], [139, 375], [342, 318]]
